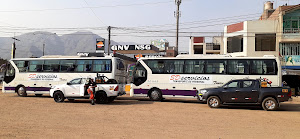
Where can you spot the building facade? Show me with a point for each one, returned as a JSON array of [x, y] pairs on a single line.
[[199, 46], [276, 32]]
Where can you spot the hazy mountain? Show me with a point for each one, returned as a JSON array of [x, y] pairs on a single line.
[[31, 44]]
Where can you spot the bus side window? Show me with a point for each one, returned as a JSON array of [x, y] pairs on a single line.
[[51, 66], [263, 67], [83, 65], [215, 66], [102, 66], [22, 65], [36, 65], [269, 67], [67, 65], [238, 67]]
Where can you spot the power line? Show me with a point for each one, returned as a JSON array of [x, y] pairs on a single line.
[[136, 28], [95, 14], [170, 30], [104, 6], [197, 22]]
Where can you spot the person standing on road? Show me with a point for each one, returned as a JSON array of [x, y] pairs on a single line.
[[91, 88]]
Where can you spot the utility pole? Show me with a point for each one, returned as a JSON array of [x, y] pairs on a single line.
[[13, 49], [177, 2], [43, 48], [108, 29]]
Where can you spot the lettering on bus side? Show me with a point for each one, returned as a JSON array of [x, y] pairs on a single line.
[[196, 79], [43, 77]]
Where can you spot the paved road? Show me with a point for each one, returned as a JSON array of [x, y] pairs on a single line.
[[41, 117]]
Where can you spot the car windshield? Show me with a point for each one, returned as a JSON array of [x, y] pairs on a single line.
[[75, 81]]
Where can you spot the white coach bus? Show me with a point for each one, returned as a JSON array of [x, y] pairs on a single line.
[[183, 75], [37, 75]]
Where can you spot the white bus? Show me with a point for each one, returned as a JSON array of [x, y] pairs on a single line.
[[37, 75], [183, 75]]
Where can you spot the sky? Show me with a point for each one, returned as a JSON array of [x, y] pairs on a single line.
[[131, 20]]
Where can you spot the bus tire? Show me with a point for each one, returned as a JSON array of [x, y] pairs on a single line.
[[269, 104], [214, 102], [101, 97], [59, 97], [155, 95], [21, 91]]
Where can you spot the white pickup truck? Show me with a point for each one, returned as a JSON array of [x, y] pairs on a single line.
[[105, 92]]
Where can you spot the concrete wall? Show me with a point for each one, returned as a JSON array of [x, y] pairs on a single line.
[[260, 27], [219, 40], [249, 30], [237, 33]]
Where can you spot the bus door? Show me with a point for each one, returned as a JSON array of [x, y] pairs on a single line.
[[140, 75], [9, 73]]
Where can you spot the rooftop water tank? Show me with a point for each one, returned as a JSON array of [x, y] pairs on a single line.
[[268, 5]]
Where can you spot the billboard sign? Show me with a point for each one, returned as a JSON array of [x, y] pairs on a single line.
[[160, 44], [100, 43], [132, 47], [291, 62]]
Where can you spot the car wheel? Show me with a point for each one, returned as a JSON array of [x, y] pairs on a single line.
[[101, 98], [270, 104], [59, 96], [155, 95], [214, 102], [21, 91], [38, 95]]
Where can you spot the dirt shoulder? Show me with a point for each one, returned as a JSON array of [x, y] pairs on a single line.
[[41, 117]]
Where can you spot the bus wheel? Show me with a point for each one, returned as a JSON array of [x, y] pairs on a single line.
[[269, 104], [101, 98], [214, 102], [21, 91], [59, 96], [155, 95]]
